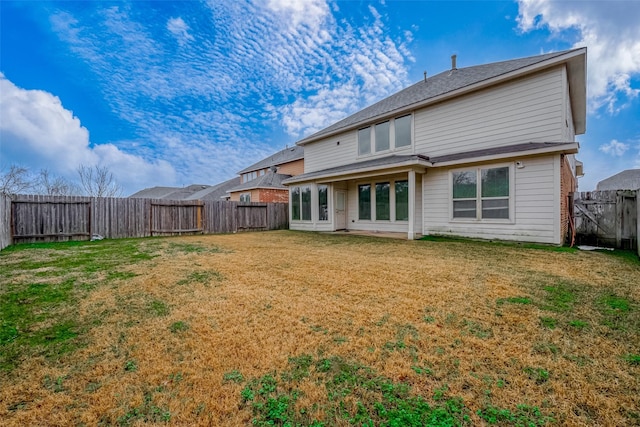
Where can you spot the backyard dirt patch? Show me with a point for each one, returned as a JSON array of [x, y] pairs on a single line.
[[311, 329]]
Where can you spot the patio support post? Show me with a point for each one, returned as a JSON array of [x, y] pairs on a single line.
[[412, 203]]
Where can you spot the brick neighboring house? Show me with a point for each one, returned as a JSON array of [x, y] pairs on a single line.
[[262, 181]]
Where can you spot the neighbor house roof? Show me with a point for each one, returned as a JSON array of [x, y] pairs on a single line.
[[268, 180], [413, 160], [287, 155], [191, 192], [626, 180], [457, 81]]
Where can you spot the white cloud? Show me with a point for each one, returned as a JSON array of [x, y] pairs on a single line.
[[36, 130], [611, 33], [614, 148], [180, 30]]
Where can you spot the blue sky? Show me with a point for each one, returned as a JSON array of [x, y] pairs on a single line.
[[182, 92]]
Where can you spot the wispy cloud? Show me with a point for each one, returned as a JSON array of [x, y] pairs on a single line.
[[614, 148], [210, 103], [610, 30], [180, 30]]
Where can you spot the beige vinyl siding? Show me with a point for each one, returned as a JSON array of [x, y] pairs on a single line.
[[527, 110], [569, 129], [535, 201], [327, 153]]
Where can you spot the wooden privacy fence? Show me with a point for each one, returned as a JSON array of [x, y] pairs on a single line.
[[607, 218], [54, 218]]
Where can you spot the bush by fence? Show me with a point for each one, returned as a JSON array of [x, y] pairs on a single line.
[[26, 218]]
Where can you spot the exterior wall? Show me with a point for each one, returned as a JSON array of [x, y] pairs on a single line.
[[569, 133], [263, 195], [567, 186], [272, 196], [235, 196], [535, 108], [331, 152], [536, 205], [292, 168], [527, 110]]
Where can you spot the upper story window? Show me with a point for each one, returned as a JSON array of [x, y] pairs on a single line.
[[364, 141], [382, 136], [385, 136], [403, 131]]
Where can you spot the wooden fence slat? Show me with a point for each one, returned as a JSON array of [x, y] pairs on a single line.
[[31, 218]]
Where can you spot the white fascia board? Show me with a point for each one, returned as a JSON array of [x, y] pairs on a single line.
[[418, 166]]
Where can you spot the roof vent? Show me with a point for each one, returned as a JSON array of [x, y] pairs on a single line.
[[453, 62], [425, 76]]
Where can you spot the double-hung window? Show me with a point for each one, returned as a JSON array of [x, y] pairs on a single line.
[[364, 141], [402, 200], [300, 203], [323, 205], [364, 201], [481, 193], [403, 131], [382, 136], [382, 202]]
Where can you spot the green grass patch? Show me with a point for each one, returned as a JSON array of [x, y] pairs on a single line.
[[559, 298], [147, 412], [548, 322], [524, 415], [158, 308], [179, 326], [202, 277], [233, 376], [355, 395], [539, 375], [632, 359], [41, 284]]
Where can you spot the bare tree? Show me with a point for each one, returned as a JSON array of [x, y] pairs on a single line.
[[55, 185], [15, 181], [98, 181]]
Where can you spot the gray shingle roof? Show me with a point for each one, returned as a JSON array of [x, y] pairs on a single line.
[[287, 155], [388, 161], [508, 149], [215, 192], [440, 84], [626, 180], [416, 159], [268, 180]]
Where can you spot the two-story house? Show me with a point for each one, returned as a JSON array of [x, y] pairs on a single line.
[[262, 181], [484, 152]]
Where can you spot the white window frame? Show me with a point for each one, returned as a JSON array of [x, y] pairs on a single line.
[[478, 171], [244, 196], [326, 187], [301, 188], [373, 151]]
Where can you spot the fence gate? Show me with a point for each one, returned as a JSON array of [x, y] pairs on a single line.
[[252, 217], [608, 218], [34, 220], [176, 218]]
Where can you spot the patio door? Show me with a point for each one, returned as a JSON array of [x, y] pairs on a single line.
[[341, 210]]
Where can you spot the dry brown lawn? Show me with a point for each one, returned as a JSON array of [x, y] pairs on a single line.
[[187, 336]]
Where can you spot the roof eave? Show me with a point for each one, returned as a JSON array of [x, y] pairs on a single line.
[[576, 68], [357, 171], [570, 148]]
